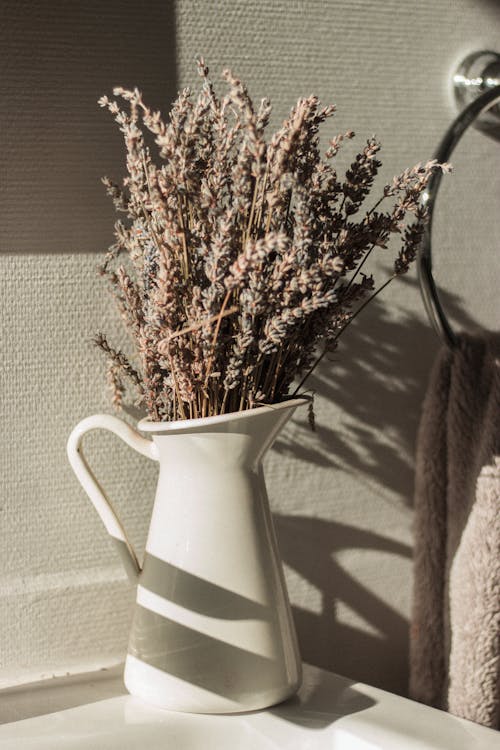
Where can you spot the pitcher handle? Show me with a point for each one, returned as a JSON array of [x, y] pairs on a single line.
[[98, 497]]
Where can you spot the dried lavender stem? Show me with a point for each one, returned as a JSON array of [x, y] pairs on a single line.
[[216, 333], [184, 241], [335, 338], [201, 324], [356, 272], [252, 209], [365, 303]]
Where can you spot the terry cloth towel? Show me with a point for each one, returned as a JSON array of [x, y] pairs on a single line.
[[455, 629]]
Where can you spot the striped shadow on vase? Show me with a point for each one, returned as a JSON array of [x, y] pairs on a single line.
[[212, 630]]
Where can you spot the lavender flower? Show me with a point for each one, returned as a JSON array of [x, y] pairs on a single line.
[[240, 259]]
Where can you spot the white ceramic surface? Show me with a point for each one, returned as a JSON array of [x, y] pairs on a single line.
[[212, 628], [328, 713]]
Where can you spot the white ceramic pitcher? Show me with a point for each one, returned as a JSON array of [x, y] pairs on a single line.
[[212, 629]]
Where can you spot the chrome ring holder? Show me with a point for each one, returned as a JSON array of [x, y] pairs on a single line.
[[477, 93]]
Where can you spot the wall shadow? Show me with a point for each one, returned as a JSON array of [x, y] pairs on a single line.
[[377, 379], [309, 546], [57, 58]]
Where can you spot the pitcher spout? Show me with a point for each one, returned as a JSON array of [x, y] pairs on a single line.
[[249, 434]]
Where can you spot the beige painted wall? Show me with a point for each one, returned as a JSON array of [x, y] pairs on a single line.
[[342, 496]]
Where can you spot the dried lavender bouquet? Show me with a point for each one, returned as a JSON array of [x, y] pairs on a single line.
[[239, 263]]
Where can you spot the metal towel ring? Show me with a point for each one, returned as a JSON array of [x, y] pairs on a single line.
[[428, 288]]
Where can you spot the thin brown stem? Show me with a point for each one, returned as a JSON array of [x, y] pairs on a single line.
[[206, 323], [216, 333], [261, 205], [182, 225], [335, 339], [177, 401], [375, 206], [358, 269], [276, 373], [252, 209], [365, 303]]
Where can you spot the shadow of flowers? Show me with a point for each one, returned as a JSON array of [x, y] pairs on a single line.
[[376, 383], [376, 379]]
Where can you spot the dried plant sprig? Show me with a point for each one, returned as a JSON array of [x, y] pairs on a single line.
[[116, 385], [241, 259], [119, 363]]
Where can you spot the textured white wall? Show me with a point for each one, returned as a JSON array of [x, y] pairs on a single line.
[[342, 496]]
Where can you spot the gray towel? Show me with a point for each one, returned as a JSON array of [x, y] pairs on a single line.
[[455, 630]]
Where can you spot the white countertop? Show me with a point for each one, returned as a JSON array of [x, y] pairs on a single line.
[[92, 712]]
